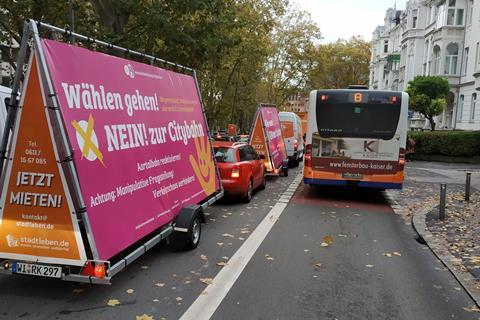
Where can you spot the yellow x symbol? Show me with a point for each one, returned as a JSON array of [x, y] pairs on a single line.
[[87, 138]]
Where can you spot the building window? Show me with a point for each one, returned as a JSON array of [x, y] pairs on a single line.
[[470, 15], [466, 61], [451, 59], [473, 105], [385, 46], [414, 18], [436, 59], [454, 15], [460, 108], [477, 56]]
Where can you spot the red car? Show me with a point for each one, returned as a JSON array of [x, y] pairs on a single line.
[[241, 168]]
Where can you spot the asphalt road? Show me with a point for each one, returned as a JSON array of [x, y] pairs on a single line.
[[291, 275]]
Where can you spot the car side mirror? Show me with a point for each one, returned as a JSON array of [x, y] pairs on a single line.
[[261, 156]]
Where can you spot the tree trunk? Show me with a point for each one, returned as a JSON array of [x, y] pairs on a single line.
[[432, 123]]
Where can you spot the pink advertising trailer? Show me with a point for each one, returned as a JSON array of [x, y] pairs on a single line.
[[102, 159]]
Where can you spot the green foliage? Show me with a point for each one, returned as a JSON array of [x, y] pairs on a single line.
[[447, 143], [428, 96], [341, 64]]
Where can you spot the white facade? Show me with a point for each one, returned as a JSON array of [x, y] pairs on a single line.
[[437, 37]]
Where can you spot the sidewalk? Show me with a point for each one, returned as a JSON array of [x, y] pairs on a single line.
[[455, 241]]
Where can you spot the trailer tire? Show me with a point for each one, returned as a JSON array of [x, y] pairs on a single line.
[[188, 228]]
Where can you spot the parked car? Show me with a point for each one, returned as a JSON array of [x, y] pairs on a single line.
[[292, 136], [241, 168]]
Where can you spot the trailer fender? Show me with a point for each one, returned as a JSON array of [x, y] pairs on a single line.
[[183, 236]]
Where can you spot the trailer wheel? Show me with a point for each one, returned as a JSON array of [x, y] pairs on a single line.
[[188, 228]]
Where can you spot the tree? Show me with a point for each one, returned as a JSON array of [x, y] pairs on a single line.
[[340, 64], [428, 96]]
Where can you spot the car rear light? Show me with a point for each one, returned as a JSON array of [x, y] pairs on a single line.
[[235, 172], [6, 265], [295, 144], [401, 158], [308, 155]]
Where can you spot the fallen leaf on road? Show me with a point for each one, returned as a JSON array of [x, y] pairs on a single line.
[[144, 317], [328, 239], [188, 281], [130, 291], [268, 257], [203, 257], [241, 238], [156, 300], [228, 235], [224, 216], [113, 302], [386, 254], [220, 243], [78, 290], [229, 213], [437, 287], [324, 244], [306, 250], [206, 280], [144, 267], [471, 309], [318, 265], [222, 264], [457, 288], [369, 265], [178, 299], [342, 235], [225, 258]]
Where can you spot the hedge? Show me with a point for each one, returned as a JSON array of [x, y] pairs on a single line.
[[447, 143]]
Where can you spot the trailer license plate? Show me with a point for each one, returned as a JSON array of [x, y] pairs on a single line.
[[37, 270]]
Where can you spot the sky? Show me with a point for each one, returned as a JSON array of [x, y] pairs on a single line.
[[347, 18]]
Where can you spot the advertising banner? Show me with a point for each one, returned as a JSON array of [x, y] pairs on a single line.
[[354, 155], [287, 129], [273, 131], [139, 139], [258, 141], [37, 220]]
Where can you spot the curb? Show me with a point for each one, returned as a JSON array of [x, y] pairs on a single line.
[[465, 279]]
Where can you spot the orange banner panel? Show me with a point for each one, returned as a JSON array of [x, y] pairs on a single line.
[[36, 219], [287, 129]]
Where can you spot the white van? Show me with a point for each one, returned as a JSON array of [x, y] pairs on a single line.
[[5, 93], [293, 136]]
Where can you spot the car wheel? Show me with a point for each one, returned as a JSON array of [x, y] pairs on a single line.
[[249, 193], [195, 233], [264, 181]]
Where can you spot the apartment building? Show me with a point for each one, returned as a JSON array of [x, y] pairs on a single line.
[[432, 37], [296, 103]]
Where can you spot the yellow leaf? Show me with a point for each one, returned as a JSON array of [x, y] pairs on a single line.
[[130, 291], [160, 284], [113, 302], [222, 264], [144, 317], [206, 280], [328, 240]]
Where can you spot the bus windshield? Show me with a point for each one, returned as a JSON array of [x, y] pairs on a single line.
[[353, 114]]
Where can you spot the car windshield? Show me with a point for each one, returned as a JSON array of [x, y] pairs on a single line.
[[223, 154]]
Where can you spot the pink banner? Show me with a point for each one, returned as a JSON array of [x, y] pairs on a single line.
[[139, 140], [273, 130]]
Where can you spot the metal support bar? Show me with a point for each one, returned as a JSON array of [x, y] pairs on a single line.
[[443, 196], [468, 183], [77, 36]]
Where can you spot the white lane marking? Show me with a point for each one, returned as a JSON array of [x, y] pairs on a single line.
[[211, 297]]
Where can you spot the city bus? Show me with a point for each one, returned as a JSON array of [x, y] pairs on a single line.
[[356, 137]]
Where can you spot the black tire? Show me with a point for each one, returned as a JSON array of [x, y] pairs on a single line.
[[189, 240], [264, 181], [249, 193]]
